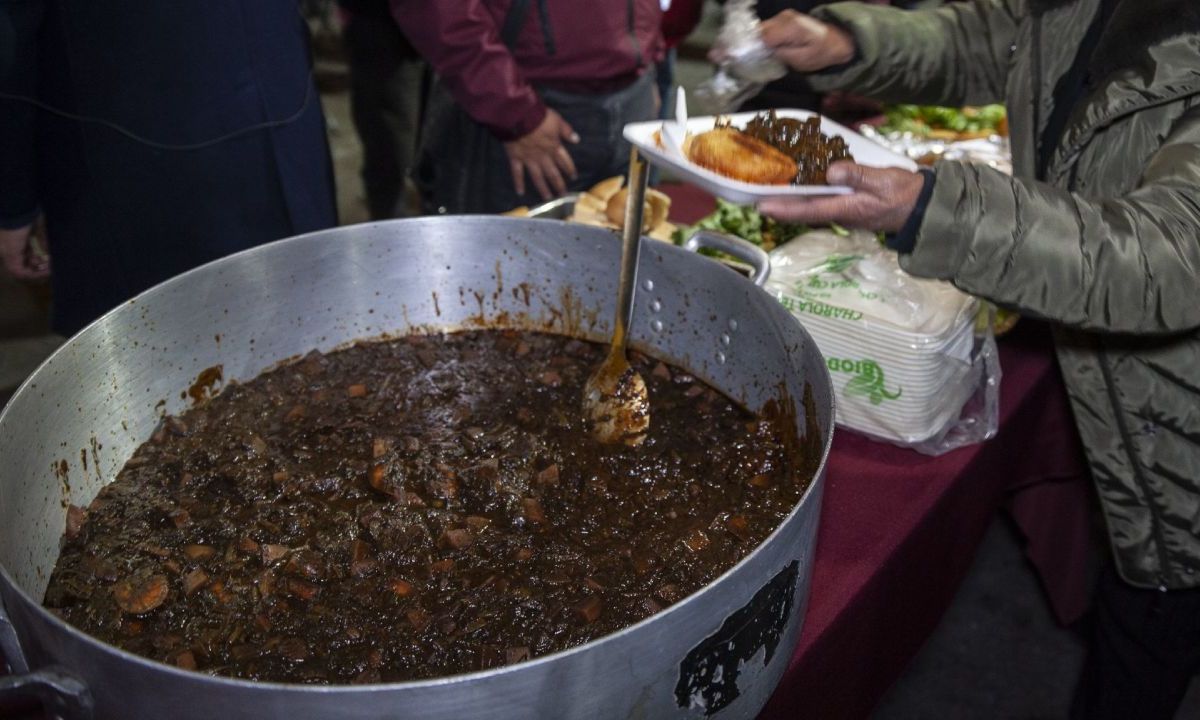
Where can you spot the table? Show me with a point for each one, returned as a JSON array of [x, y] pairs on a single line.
[[899, 529]]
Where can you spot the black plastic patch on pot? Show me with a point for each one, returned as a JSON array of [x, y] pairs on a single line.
[[708, 675]]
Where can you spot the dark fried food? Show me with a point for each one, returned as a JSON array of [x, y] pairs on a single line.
[[801, 140], [734, 154]]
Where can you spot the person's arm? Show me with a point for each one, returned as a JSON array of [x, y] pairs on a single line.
[[1129, 264], [19, 21], [461, 41], [957, 54]]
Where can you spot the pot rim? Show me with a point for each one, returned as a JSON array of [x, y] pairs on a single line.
[[151, 665]]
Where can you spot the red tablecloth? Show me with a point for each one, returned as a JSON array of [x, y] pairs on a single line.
[[899, 529]]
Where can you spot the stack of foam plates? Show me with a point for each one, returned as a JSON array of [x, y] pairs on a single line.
[[898, 348]]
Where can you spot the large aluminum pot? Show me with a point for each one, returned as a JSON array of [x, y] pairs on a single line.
[[70, 428]]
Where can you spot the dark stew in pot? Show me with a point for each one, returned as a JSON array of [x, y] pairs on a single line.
[[416, 508]]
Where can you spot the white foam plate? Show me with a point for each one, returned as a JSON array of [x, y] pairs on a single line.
[[865, 152]]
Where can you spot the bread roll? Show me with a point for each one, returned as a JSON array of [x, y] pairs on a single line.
[[605, 189], [654, 211]]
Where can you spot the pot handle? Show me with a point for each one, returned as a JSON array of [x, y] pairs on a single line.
[[10, 645], [63, 696], [747, 252]]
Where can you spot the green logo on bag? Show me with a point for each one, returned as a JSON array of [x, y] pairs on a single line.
[[837, 264], [868, 380], [820, 281]]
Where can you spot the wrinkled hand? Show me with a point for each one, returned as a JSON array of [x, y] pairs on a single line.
[[542, 154], [20, 257], [883, 198], [805, 43]]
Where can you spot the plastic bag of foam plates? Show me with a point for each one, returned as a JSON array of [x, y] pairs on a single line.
[[907, 362]]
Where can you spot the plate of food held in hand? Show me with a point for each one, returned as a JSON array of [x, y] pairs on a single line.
[[748, 157]]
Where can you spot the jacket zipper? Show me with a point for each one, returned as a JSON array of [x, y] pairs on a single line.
[[1135, 465]]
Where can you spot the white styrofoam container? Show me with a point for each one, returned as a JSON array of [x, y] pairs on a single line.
[[896, 376], [865, 152]]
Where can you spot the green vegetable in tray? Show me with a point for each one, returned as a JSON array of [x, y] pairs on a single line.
[[930, 120], [744, 222]]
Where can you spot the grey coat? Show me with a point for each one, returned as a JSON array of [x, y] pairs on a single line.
[[1107, 245]]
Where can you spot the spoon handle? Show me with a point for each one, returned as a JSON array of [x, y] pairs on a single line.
[[630, 244]]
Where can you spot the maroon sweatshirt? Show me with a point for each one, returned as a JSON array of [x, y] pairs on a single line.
[[593, 52]]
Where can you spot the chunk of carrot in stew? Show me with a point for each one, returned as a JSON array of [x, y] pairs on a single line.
[[401, 588], [549, 476], [199, 552], [762, 481], [418, 618], [739, 526], [193, 581], [589, 610], [441, 566], [457, 539], [186, 660], [272, 553], [696, 540], [139, 594], [220, 593], [531, 508]]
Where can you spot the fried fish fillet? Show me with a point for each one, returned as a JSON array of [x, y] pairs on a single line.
[[734, 154]]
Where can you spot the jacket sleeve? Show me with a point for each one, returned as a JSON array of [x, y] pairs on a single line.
[[461, 41], [19, 21], [955, 55], [1127, 264]]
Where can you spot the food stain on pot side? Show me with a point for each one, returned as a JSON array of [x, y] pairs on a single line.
[[97, 446], [499, 284], [523, 289], [207, 384], [801, 443], [61, 470], [571, 316]]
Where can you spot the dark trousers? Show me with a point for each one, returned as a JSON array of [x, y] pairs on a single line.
[[1144, 652], [463, 168], [385, 99], [664, 78]]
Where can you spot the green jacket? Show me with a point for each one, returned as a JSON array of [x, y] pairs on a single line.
[[1107, 246]]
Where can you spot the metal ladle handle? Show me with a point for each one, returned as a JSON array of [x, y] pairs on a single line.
[[631, 236]]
